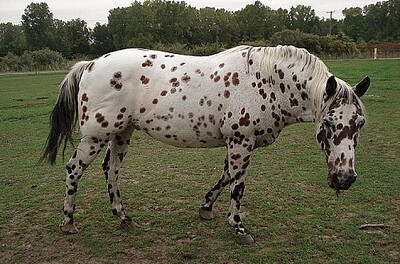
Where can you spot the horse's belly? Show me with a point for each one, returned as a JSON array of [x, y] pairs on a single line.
[[190, 130]]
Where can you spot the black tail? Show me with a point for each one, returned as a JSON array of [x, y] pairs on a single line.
[[64, 115]]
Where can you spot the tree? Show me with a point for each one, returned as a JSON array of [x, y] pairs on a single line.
[[63, 44], [172, 21], [304, 19], [133, 26], [38, 25], [213, 26], [102, 41], [12, 39], [252, 22], [78, 36]]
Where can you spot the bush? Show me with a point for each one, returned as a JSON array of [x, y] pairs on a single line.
[[207, 49], [298, 39], [38, 60], [339, 45], [11, 62], [388, 49]]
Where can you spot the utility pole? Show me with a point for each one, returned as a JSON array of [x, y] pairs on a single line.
[[330, 21]]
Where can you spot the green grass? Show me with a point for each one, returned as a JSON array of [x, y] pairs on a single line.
[[294, 215]]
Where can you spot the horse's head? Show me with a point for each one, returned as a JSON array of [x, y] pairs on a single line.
[[339, 128]]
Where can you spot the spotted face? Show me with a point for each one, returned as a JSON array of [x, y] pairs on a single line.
[[338, 133]]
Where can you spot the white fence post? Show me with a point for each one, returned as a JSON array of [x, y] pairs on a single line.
[[375, 53]]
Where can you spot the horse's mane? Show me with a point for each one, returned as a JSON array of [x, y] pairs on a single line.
[[307, 65]]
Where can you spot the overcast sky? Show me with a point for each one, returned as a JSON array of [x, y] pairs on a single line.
[[93, 11]]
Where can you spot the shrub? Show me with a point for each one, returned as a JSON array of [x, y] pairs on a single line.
[[38, 60], [11, 62]]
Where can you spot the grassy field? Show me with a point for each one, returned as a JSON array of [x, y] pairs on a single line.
[[288, 206]]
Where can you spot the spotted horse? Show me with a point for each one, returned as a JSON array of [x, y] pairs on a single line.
[[241, 98]]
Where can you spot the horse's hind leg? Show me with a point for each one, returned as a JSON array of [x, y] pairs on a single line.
[[116, 152], [206, 209], [84, 154]]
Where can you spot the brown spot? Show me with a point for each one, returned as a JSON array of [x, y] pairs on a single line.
[[142, 110], [227, 94], [120, 116], [293, 102], [162, 66], [99, 117], [236, 156], [123, 109], [153, 56], [118, 75], [235, 79], [184, 98], [281, 74], [245, 121], [147, 63], [185, 78], [163, 93], [217, 78], [144, 79], [118, 86], [273, 97], [174, 68], [235, 126], [85, 98], [222, 65], [155, 101], [104, 124], [263, 108], [282, 86]]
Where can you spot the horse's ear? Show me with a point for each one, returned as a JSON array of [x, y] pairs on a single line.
[[362, 86], [331, 86]]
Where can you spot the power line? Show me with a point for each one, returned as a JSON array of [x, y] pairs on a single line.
[[330, 21]]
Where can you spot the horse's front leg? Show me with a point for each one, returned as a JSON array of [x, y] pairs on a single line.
[[116, 151], [239, 153]]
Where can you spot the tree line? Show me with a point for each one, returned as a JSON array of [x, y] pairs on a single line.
[[178, 27]]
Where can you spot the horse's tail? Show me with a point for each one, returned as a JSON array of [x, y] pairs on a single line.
[[64, 115]]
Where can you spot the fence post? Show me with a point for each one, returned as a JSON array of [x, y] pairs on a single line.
[[375, 53]]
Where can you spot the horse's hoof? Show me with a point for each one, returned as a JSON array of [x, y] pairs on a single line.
[[69, 228], [205, 214], [245, 239], [129, 223]]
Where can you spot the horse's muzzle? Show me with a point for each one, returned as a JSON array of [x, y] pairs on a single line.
[[342, 182]]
